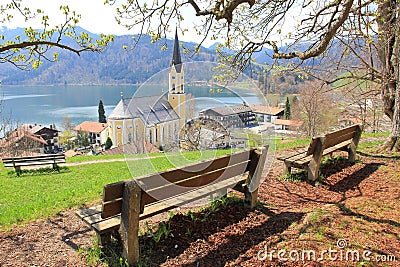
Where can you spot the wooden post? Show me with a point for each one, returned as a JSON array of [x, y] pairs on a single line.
[[103, 238], [130, 221], [352, 150], [287, 167], [313, 166], [255, 172]]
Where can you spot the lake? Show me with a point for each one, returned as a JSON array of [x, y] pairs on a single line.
[[46, 105]]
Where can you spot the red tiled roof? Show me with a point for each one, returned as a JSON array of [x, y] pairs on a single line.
[[257, 108], [91, 127], [288, 122]]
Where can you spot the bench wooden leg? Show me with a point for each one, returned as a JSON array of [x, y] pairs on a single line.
[[312, 175], [130, 222], [18, 170], [251, 197], [55, 167], [287, 168], [352, 153], [103, 238]]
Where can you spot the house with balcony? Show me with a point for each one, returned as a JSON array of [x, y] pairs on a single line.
[[267, 113], [48, 134], [231, 117], [97, 132]]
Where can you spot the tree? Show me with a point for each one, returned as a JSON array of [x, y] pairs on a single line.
[[30, 51], [82, 139], [287, 112], [102, 113], [358, 38], [108, 144], [66, 124], [314, 108]]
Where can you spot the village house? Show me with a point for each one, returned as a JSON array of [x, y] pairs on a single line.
[[151, 119], [49, 134], [287, 125], [20, 142], [267, 113], [97, 132], [238, 116]]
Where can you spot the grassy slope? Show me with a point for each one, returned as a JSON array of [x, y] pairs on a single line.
[[38, 194]]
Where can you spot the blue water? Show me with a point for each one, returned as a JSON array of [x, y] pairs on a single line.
[[47, 105]]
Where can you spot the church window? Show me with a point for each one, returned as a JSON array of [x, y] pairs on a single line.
[[118, 126], [173, 77]]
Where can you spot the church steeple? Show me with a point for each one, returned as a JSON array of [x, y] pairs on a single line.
[[176, 56], [176, 89]]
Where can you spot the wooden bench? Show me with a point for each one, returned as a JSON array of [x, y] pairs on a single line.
[[309, 158], [125, 203], [18, 162]]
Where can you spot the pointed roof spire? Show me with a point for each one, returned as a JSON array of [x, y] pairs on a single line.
[[176, 56]]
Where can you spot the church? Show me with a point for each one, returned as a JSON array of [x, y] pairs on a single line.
[[152, 119]]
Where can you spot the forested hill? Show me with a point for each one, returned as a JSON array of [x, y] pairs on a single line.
[[114, 66]]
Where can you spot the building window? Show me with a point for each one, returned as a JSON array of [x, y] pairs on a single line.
[[118, 127], [151, 136], [173, 77]]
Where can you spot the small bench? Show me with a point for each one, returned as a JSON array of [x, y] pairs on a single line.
[[18, 162], [309, 158], [125, 203]]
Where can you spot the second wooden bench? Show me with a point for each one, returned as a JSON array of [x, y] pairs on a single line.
[[310, 158]]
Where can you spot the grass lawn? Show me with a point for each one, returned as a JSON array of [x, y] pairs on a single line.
[[41, 193]]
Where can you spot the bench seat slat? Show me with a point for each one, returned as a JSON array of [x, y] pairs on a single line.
[[22, 164], [292, 154], [305, 160]]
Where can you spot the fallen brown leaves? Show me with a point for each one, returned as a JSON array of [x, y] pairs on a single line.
[[354, 206]]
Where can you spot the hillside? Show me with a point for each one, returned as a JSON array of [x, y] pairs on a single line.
[[114, 66]]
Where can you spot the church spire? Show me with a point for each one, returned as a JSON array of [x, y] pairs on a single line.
[[176, 56]]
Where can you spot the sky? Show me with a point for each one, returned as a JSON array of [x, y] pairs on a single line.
[[96, 17]]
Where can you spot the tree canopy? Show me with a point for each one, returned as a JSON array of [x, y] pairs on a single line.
[[30, 50]]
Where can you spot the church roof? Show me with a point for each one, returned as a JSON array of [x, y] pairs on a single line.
[[150, 109], [176, 55]]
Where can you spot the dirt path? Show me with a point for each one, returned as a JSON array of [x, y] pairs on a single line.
[[357, 204]]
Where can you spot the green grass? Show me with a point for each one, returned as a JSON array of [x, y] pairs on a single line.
[[380, 134], [38, 195], [107, 157], [293, 143], [42, 193]]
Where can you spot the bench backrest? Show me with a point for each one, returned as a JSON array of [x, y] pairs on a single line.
[[171, 183], [334, 138], [10, 162]]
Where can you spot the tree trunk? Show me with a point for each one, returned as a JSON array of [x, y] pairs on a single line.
[[393, 142], [388, 49]]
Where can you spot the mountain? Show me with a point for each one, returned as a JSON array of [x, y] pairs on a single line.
[[115, 65]]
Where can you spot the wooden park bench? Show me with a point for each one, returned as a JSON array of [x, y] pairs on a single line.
[[125, 203], [18, 162], [309, 158]]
